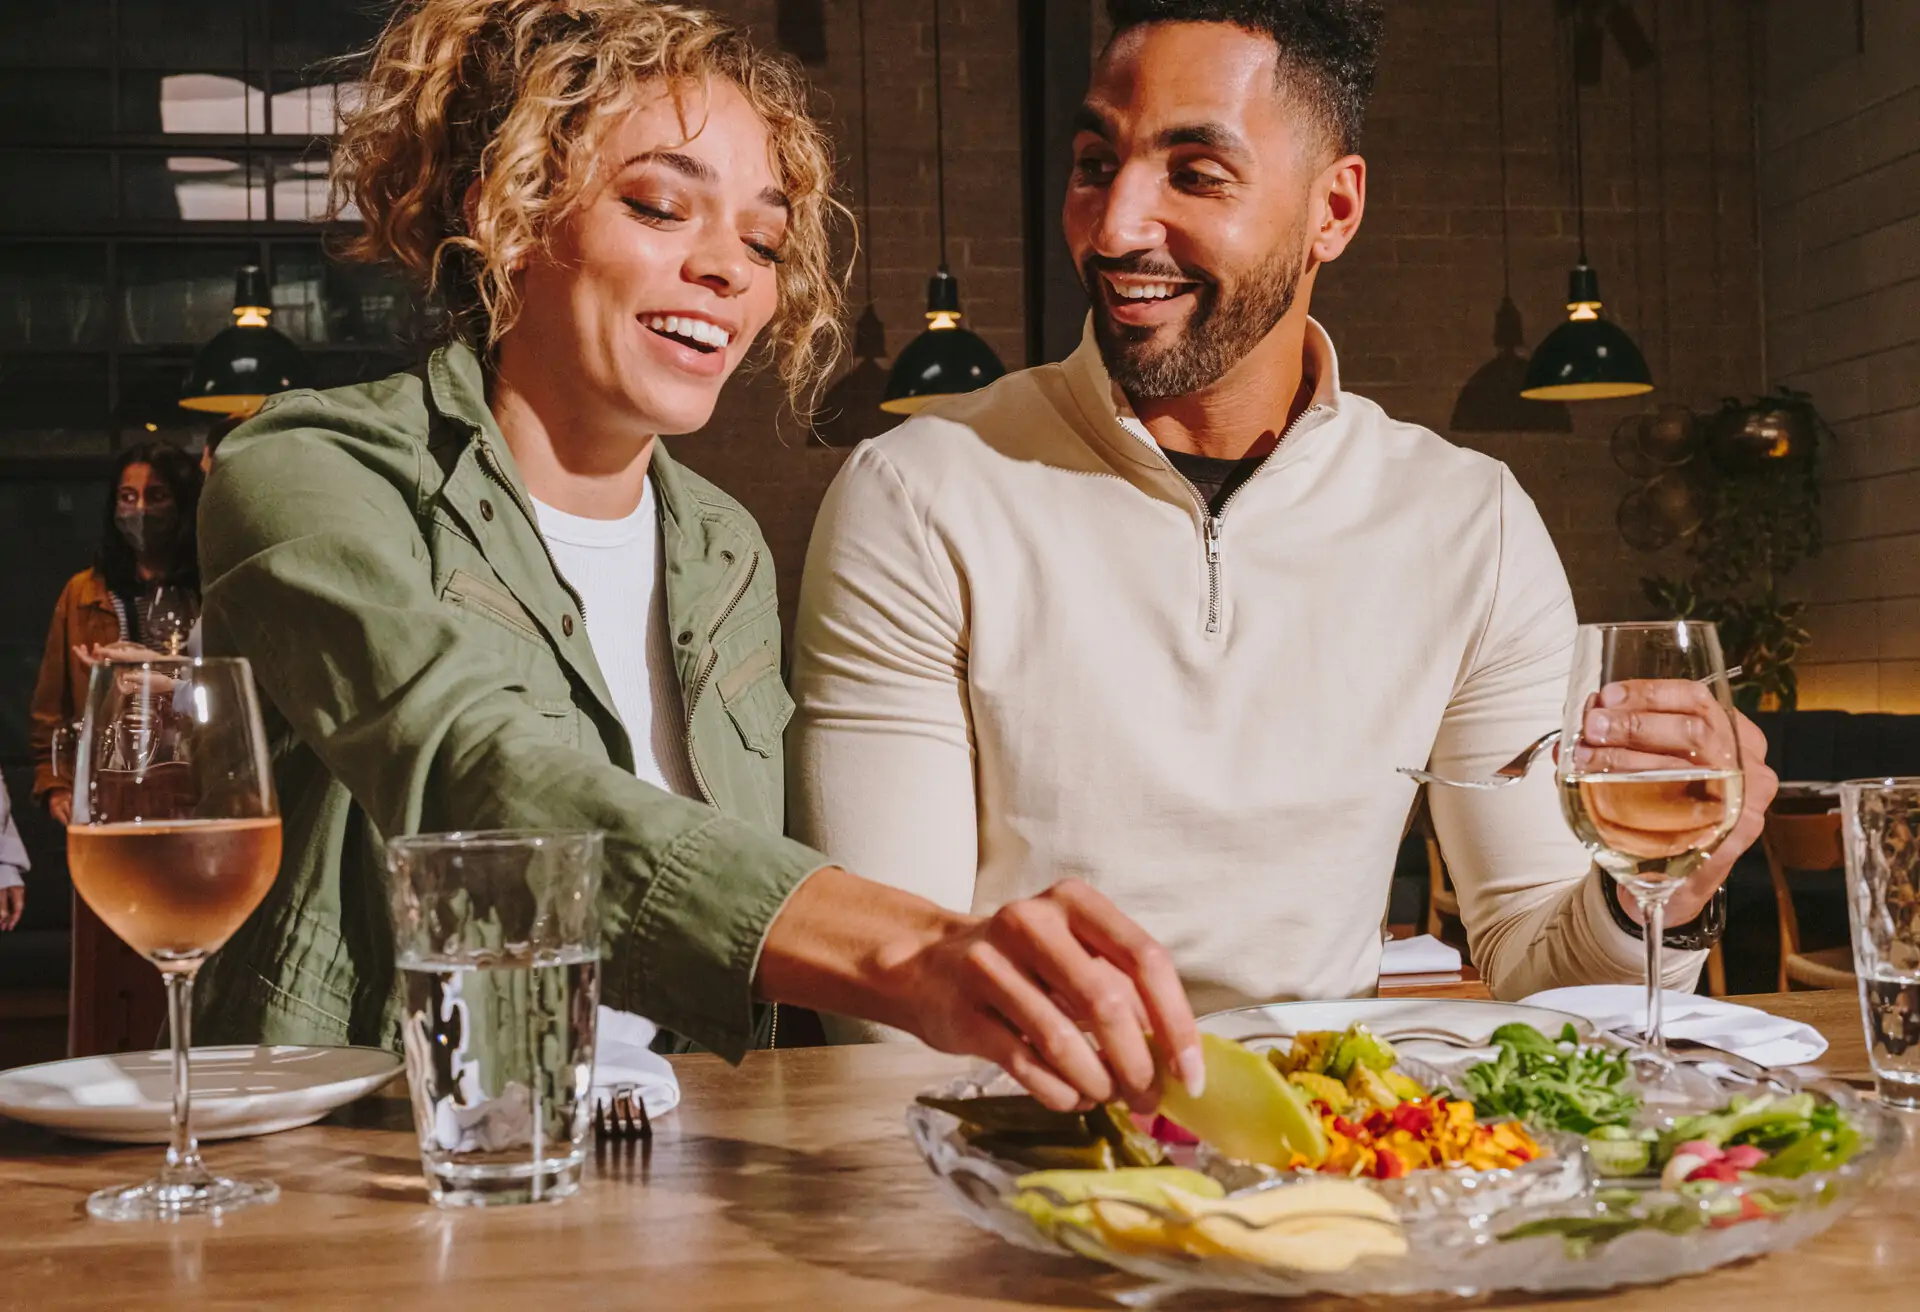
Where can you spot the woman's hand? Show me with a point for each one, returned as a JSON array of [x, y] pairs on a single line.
[[1065, 993], [101, 652], [13, 904], [60, 806]]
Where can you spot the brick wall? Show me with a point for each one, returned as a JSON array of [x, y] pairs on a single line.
[[1671, 230], [1840, 175]]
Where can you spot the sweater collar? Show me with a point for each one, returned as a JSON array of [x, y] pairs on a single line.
[[1106, 412]]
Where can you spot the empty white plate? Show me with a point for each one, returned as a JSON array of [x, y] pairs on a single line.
[[127, 1097]]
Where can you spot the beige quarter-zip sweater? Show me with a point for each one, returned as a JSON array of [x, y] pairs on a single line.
[[1026, 651]]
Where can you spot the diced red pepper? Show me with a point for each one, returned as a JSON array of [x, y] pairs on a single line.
[[1388, 1166], [1415, 1118]]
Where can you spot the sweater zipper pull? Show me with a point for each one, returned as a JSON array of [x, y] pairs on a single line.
[[1213, 539]]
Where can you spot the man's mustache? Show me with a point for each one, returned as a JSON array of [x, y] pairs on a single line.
[[1140, 266]]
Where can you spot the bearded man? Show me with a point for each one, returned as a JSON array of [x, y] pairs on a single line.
[[1167, 616]]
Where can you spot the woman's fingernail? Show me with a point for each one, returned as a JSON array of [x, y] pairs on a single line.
[[1193, 1070], [1613, 694], [1583, 756], [1598, 725]]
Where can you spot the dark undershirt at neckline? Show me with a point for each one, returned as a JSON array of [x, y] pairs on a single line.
[[1216, 479]]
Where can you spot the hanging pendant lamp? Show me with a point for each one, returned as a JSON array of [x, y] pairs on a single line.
[[235, 372], [1587, 358], [945, 359]]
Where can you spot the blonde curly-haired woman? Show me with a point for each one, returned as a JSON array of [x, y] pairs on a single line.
[[482, 595]]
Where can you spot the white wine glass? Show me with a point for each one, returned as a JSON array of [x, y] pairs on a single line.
[[1649, 769], [175, 840], [170, 616]]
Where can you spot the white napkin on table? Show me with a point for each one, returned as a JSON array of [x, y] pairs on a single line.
[[1425, 955], [1753, 1034], [621, 1055]]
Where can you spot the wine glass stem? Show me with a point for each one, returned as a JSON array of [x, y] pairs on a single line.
[[183, 1154], [1653, 911]]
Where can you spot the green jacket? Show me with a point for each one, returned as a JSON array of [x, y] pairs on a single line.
[[424, 668]]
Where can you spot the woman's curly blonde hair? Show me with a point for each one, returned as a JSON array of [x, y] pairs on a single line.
[[517, 96]]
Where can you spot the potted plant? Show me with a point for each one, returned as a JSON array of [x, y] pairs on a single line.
[[1761, 521]]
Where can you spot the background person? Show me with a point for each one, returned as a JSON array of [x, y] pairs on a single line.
[[148, 542]]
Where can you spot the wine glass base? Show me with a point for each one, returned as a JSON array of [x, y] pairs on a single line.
[[158, 1200]]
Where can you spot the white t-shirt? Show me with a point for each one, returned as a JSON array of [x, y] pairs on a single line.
[[616, 567]]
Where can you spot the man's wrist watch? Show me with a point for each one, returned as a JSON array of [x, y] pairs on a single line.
[[1696, 935]]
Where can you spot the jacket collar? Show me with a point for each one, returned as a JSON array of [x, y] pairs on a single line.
[[483, 487], [1139, 459]]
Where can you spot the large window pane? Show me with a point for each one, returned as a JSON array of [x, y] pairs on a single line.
[[53, 393], [53, 294], [51, 191], [306, 32], [316, 299], [188, 33], [36, 34], [190, 102], [300, 186], [150, 397], [55, 105], [177, 295], [191, 188], [315, 110]]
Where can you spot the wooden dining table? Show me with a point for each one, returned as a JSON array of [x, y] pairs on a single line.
[[786, 1183]]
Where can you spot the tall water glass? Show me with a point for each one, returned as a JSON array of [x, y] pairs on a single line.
[[1649, 768], [175, 840], [1880, 820], [498, 942]]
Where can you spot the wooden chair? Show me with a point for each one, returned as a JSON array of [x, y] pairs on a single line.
[[1799, 844], [1441, 899]]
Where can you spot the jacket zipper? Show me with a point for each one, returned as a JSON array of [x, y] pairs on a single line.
[[497, 475], [1213, 525], [706, 673]]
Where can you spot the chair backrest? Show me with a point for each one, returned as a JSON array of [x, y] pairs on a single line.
[[1797, 842]]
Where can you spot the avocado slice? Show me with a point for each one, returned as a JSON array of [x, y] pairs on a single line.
[[1249, 1111]]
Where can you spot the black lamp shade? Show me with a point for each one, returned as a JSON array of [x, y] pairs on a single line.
[[1586, 358], [939, 362], [243, 365], [945, 360]]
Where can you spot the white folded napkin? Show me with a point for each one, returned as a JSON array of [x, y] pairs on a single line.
[[1753, 1034], [1425, 955], [621, 1055]]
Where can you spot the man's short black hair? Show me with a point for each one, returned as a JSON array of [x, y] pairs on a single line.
[[1328, 48]]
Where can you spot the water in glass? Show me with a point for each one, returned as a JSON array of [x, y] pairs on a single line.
[[498, 945], [1881, 829]]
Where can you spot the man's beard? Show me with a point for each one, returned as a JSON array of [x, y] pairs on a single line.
[[1222, 329]]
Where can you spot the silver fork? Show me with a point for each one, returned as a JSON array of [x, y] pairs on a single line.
[[622, 1116], [1515, 770]]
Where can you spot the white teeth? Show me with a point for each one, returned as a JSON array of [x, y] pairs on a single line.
[[1149, 291], [693, 330]]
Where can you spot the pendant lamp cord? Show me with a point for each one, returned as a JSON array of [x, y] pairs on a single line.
[[1579, 168], [1500, 115], [866, 153], [939, 137], [246, 111]]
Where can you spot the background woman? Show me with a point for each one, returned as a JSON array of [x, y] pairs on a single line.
[[482, 595], [147, 543]]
